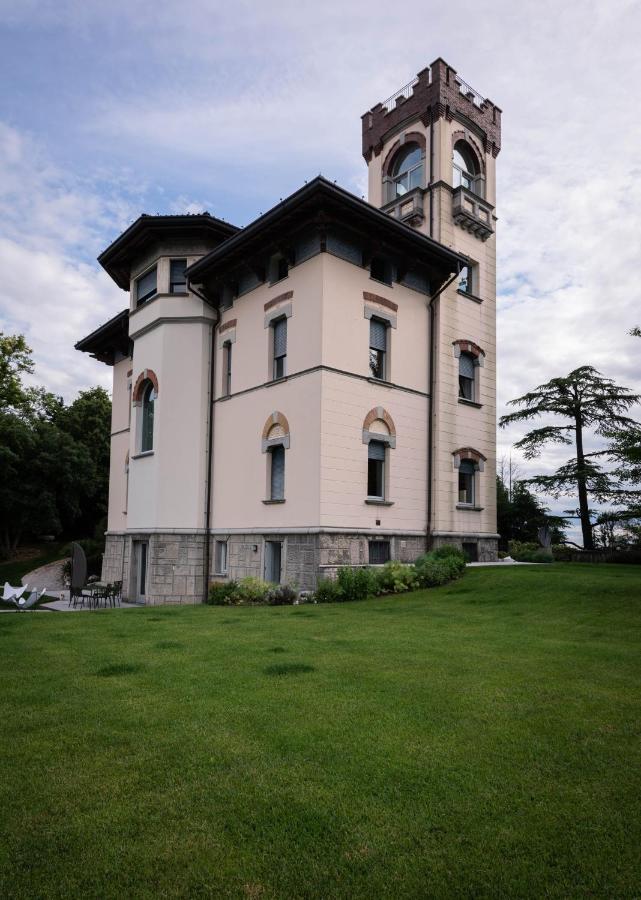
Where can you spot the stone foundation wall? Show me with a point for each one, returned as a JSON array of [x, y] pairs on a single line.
[[175, 565], [487, 548]]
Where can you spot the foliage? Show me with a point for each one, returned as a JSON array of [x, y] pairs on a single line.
[[530, 551], [252, 590], [54, 460], [584, 399], [396, 578], [222, 593], [328, 591], [282, 595], [520, 514], [356, 584], [433, 571]]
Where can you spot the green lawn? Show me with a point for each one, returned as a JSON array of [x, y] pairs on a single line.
[[478, 740]]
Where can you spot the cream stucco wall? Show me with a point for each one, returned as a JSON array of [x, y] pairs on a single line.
[[120, 411]]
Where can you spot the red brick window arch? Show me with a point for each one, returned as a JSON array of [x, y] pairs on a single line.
[[144, 395], [139, 386]]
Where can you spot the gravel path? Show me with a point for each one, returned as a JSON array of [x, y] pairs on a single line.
[[49, 577]]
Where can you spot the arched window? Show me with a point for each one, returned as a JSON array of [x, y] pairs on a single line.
[[469, 463], [406, 171], [465, 168], [147, 430], [275, 441], [379, 434]]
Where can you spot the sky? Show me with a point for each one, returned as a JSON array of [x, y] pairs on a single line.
[[113, 109]]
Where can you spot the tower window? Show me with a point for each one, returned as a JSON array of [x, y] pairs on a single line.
[[466, 482], [227, 368], [177, 277], [279, 335], [378, 348], [147, 429], [466, 376], [277, 473], [407, 171], [465, 168], [146, 287], [376, 470]]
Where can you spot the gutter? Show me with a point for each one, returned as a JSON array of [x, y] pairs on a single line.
[[210, 434], [430, 392]]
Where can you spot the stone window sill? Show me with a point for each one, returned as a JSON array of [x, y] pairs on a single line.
[[382, 381], [143, 455], [280, 380], [376, 501], [470, 403], [470, 296], [469, 507], [272, 502]]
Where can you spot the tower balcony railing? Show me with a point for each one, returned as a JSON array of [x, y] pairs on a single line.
[[470, 93], [403, 94], [407, 208], [472, 212]]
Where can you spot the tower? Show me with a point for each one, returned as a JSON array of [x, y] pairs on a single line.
[[431, 152]]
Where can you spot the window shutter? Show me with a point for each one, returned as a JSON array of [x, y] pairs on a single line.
[[466, 467], [376, 450], [466, 365], [278, 473], [280, 337], [146, 285], [377, 334]]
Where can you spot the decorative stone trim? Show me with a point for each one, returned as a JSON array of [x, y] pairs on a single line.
[[130, 373], [281, 297], [285, 311], [145, 375], [463, 346], [379, 413], [470, 454], [371, 313], [276, 418], [389, 439], [466, 136], [410, 137], [382, 301], [227, 325]]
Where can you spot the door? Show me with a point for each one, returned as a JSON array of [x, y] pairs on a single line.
[[141, 555], [273, 553]]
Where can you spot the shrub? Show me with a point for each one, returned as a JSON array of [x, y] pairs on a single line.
[[328, 591], [448, 551], [522, 551], [396, 578], [432, 571], [356, 584], [282, 595], [222, 593], [542, 556], [253, 590]]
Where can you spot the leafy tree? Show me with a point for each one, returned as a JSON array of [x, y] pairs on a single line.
[[520, 515], [583, 400], [54, 460]]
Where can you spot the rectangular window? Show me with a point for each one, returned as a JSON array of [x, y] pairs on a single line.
[[273, 558], [379, 553], [467, 280], [220, 558], [227, 368], [146, 287], [177, 277], [471, 551], [378, 348], [466, 482], [466, 373], [381, 270], [282, 268], [376, 470], [277, 473], [279, 329]]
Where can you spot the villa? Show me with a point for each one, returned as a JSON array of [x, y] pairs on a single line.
[[317, 389]]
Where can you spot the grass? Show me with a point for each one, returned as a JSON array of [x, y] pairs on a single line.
[[477, 740]]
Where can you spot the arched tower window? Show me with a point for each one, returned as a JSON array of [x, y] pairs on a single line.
[[465, 168], [406, 171], [147, 431]]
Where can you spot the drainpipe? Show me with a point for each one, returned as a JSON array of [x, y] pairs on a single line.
[[430, 392], [210, 432]]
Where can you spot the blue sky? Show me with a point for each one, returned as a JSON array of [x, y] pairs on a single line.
[[113, 109]]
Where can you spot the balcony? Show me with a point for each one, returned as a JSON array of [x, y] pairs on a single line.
[[472, 213], [408, 208]]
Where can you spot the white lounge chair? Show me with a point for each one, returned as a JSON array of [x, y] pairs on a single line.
[[28, 600], [9, 592]]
